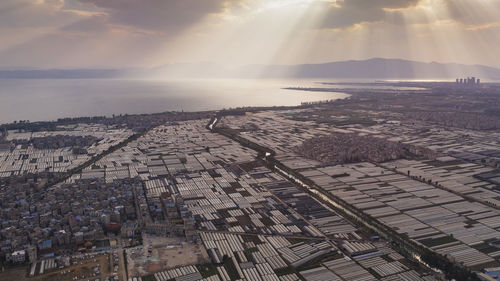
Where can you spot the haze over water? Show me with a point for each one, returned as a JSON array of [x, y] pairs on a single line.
[[49, 99]]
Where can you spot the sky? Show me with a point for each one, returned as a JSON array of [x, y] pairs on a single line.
[[153, 33]]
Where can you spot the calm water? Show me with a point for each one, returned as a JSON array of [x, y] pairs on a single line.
[[49, 99]]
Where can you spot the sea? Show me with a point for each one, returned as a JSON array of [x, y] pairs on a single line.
[[50, 99]]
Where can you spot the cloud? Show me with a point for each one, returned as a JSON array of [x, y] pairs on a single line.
[[86, 33], [22, 21], [31, 13], [474, 13], [158, 15], [346, 13], [91, 24]]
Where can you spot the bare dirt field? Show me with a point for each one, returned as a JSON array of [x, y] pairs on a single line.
[[161, 253]]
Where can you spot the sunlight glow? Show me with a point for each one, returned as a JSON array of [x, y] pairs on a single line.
[[281, 31], [283, 3], [259, 32]]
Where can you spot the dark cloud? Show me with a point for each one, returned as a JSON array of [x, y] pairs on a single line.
[[473, 12], [376, 4], [346, 13], [30, 13], [91, 24], [158, 15]]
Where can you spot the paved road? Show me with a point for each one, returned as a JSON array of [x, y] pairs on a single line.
[[121, 262]]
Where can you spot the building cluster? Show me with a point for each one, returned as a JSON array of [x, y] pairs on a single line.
[[57, 141], [468, 121], [66, 216], [469, 81], [350, 148]]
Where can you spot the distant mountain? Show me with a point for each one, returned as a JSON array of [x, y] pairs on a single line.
[[376, 68], [61, 73], [383, 69]]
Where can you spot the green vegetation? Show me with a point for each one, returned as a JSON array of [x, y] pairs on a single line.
[[340, 175], [438, 241], [102, 243], [251, 250], [298, 240], [206, 270], [148, 278], [284, 271], [26, 125], [230, 268], [452, 270], [125, 262], [437, 163]]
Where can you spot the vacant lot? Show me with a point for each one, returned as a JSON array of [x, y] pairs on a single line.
[[160, 253]]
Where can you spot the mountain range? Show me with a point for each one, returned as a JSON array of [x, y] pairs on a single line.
[[377, 68]]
